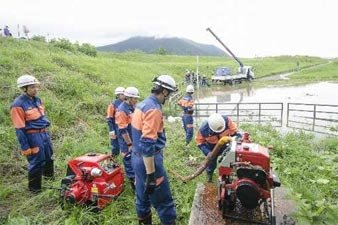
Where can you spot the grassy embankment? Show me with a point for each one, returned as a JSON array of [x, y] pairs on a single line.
[[326, 72], [76, 90]]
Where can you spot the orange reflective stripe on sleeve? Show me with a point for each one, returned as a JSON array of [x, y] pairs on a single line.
[[185, 103], [199, 138], [122, 119], [32, 114], [18, 117], [152, 123], [110, 111]]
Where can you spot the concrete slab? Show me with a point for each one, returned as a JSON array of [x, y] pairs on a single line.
[[205, 211]]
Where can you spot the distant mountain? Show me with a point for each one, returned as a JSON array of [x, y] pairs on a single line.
[[173, 46]]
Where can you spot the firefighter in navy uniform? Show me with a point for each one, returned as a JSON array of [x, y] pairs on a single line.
[[124, 115], [30, 122], [152, 184], [187, 105], [210, 132], [111, 111]]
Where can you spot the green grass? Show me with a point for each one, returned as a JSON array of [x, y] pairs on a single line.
[[76, 89]]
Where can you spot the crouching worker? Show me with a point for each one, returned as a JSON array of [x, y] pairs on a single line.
[[152, 184], [210, 132], [187, 105], [111, 111], [124, 115], [30, 122]]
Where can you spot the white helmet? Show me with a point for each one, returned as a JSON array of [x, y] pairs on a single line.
[[131, 92], [216, 122], [190, 89], [26, 80], [166, 82], [119, 90]]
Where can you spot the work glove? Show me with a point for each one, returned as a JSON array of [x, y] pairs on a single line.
[[112, 134], [150, 184], [224, 140], [127, 156]]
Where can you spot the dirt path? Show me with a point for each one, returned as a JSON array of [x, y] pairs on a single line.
[[205, 208], [284, 76]]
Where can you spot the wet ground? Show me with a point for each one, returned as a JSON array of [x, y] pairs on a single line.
[[284, 76], [205, 208]]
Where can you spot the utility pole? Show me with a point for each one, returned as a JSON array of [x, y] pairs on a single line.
[[198, 86], [18, 31], [197, 72]]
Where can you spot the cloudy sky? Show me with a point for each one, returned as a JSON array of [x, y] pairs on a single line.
[[249, 27]]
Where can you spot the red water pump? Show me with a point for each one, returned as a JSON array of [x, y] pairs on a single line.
[[246, 178], [92, 180]]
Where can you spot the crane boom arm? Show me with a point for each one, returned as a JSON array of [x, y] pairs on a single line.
[[227, 49]]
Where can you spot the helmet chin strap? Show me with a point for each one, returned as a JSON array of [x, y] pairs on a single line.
[[30, 96], [25, 89], [166, 97]]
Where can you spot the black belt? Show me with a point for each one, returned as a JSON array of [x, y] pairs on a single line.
[[34, 131]]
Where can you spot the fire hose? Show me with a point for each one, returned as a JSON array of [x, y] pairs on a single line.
[[212, 155]]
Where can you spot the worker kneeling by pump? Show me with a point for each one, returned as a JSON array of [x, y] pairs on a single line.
[[210, 132]]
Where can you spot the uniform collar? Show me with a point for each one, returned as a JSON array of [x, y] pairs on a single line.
[[26, 97], [153, 97]]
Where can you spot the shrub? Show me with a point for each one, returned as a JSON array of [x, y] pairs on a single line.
[[161, 51], [63, 43], [88, 49], [39, 38]]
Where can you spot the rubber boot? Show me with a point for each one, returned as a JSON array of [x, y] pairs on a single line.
[[48, 170], [132, 183], [209, 177], [34, 181], [146, 220], [115, 153]]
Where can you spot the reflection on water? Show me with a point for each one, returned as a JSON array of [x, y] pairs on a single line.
[[319, 93], [222, 94]]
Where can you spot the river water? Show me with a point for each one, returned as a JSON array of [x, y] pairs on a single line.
[[318, 93], [310, 115]]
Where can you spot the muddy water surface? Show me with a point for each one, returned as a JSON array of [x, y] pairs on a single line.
[[318, 93], [318, 111]]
